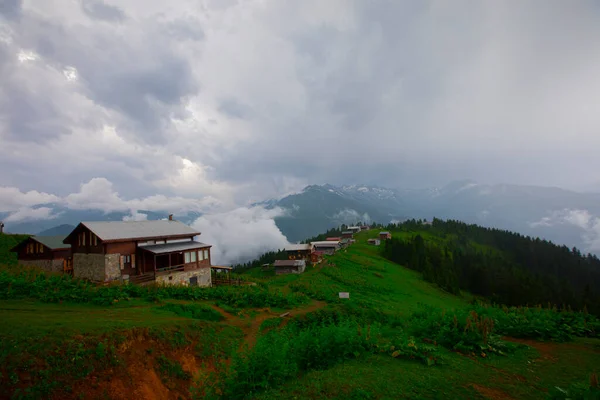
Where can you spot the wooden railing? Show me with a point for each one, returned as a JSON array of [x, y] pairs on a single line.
[[172, 268]]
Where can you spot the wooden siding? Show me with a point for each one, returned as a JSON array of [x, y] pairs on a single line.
[[91, 245], [40, 252], [124, 248]]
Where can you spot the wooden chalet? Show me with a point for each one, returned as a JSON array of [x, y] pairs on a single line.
[[374, 242], [326, 247], [299, 251], [140, 251], [385, 235], [354, 229], [347, 235], [46, 252], [289, 266]]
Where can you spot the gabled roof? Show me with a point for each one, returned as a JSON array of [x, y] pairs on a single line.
[[53, 242], [289, 263], [174, 247], [114, 231], [298, 247], [328, 243]]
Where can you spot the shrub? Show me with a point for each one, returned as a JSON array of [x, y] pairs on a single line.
[[196, 311]]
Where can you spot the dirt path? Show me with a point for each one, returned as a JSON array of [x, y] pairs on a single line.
[[546, 349], [251, 325]]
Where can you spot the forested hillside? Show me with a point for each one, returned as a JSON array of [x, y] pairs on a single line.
[[503, 266]]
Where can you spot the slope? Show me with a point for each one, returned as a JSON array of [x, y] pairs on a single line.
[[290, 336]]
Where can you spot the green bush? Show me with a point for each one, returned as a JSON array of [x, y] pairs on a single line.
[[196, 311], [280, 354]]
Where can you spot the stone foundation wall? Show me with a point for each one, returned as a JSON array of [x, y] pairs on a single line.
[[46, 265], [89, 266], [183, 278], [112, 263]]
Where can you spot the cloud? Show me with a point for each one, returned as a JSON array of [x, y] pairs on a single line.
[[31, 214], [11, 198], [100, 10], [588, 224], [99, 194], [135, 216], [348, 216], [243, 100], [241, 234]]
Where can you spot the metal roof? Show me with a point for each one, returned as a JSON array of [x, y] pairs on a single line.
[[329, 243], [347, 232], [119, 230], [383, 233], [173, 247], [52, 242], [297, 247], [290, 263]]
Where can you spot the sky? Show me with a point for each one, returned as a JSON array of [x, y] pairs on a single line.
[[215, 104]]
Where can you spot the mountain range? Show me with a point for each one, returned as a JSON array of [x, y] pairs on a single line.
[[562, 216]]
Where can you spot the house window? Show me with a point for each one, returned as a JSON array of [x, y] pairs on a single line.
[[206, 254], [201, 255], [193, 256], [187, 257]]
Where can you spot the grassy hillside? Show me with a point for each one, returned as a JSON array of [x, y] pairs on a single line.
[[397, 336], [7, 242]]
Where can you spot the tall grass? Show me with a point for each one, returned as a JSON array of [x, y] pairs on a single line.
[[30, 283]]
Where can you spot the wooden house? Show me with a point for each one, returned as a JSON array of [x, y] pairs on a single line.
[[140, 251], [374, 242], [365, 227], [299, 251], [316, 257], [354, 229], [326, 247], [46, 252], [289, 266], [347, 235], [385, 235]]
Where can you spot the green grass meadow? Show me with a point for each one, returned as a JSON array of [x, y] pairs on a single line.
[[288, 337]]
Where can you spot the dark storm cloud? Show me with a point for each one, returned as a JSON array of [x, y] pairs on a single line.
[[146, 85], [396, 93], [98, 9], [10, 9]]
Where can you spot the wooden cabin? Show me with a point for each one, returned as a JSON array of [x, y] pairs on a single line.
[[289, 266], [299, 251], [354, 229], [347, 235], [326, 247], [374, 242], [46, 252], [385, 235], [140, 251]]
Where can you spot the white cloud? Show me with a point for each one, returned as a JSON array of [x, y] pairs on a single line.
[[11, 198], [582, 219], [31, 214], [348, 216], [241, 234], [99, 194], [135, 216]]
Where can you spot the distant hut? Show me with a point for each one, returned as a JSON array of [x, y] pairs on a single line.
[[289, 267]]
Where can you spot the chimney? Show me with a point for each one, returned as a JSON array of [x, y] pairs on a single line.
[[170, 217]]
